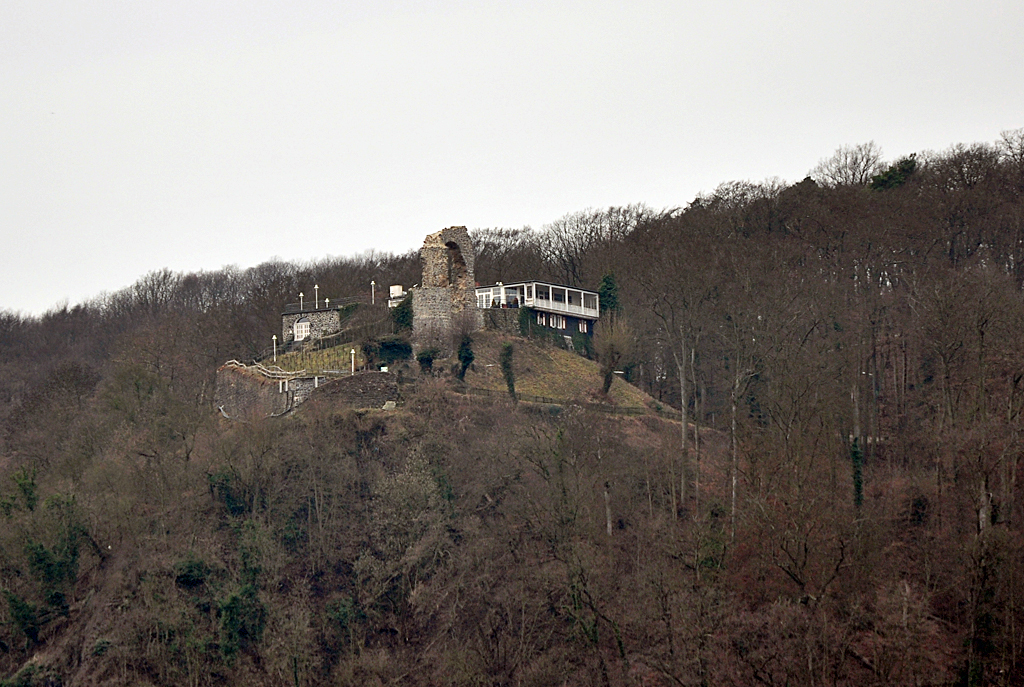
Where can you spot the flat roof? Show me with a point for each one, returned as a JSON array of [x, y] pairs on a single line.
[[536, 281]]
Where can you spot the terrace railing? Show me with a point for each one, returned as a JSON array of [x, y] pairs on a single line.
[[559, 306]]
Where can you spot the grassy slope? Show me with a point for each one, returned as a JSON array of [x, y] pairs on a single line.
[[543, 370]]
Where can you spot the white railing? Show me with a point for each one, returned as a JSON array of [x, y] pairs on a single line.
[[272, 372], [556, 306]]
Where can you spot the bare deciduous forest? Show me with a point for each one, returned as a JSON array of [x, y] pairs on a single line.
[[841, 505]]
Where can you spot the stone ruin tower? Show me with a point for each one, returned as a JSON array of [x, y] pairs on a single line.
[[446, 295]]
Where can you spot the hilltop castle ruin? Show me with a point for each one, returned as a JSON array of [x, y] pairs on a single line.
[[447, 294]]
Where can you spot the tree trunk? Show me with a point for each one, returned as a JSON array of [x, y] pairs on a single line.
[[984, 506], [735, 451], [855, 400], [696, 431], [684, 405], [607, 509]]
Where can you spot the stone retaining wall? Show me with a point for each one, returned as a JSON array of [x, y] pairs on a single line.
[[363, 390], [242, 394], [504, 320]]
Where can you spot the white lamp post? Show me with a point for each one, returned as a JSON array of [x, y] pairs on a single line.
[[373, 284], [316, 291], [275, 348], [327, 303], [353, 361], [300, 300]]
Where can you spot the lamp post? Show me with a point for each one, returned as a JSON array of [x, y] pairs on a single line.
[[373, 284], [275, 348], [327, 303], [316, 291], [300, 300], [353, 361]]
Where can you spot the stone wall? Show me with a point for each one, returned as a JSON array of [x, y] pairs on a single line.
[[504, 320], [431, 314], [447, 291], [363, 390], [321, 323], [302, 388], [241, 394]]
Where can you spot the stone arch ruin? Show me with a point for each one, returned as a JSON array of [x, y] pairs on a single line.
[[447, 291]]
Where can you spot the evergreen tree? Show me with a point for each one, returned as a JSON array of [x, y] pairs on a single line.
[[896, 175], [608, 291], [857, 458]]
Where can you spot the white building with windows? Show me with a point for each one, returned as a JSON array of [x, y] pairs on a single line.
[[564, 308], [309, 322], [396, 295]]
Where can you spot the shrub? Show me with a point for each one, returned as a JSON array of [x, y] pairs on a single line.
[[100, 647], [426, 359], [393, 349], [23, 615], [386, 350], [53, 567], [402, 314], [26, 481], [190, 573], [583, 344], [526, 321], [225, 487], [242, 620], [506, 368], [466, 356]]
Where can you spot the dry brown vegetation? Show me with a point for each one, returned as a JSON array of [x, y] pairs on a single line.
[[845, 507]]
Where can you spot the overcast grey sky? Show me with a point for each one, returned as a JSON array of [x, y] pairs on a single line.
[[196, 134]]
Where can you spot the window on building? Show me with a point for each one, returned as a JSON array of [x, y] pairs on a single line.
[[583, 326], [301, 329], [557, 321], [481, 300], [542, 319]]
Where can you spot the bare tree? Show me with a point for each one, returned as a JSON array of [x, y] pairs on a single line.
[[576, 244], [614, 342], [506, 254], [849, 166]]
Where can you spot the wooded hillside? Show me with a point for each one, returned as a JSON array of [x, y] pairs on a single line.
[[846, 509]]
